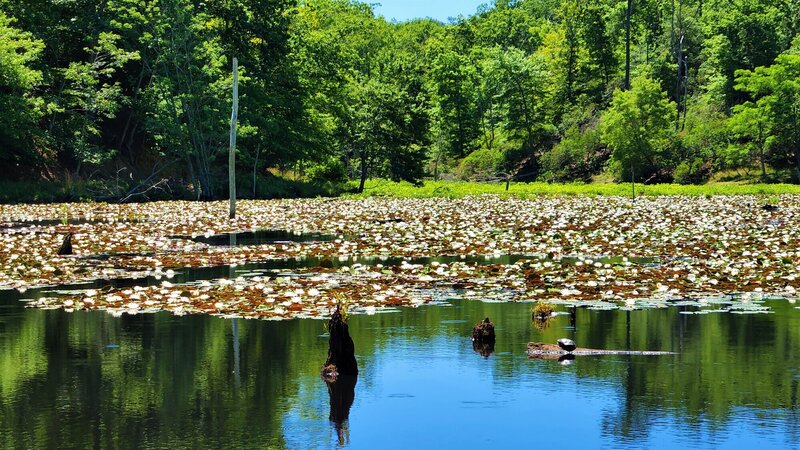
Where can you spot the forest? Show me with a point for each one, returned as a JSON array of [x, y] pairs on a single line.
[[133, 98]]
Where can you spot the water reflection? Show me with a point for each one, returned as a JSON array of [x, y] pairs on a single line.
[[207, 382], [342, 393], [236, 358], [566, 360], [484, 349]]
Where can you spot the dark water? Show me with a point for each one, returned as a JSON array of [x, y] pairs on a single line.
[[88, 380], [287, 266], [260, 237]]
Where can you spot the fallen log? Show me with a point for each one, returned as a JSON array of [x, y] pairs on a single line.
[[539, 350]]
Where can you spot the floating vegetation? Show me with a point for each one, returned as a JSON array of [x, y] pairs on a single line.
[[541, 314], [596, 253], [543, 310]]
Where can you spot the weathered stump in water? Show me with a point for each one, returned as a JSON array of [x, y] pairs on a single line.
[[341, 350], [66, 246], [483, 332]]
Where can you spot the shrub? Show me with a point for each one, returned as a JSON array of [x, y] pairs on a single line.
[[331, 170]]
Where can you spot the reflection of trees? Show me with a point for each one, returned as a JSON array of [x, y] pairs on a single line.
[[20, 355], [173, 379], [725, 361], [170, 381]]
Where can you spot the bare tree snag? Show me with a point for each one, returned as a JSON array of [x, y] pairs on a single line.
[[232, 152]]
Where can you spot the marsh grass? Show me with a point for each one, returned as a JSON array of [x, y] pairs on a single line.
[[457, 189]]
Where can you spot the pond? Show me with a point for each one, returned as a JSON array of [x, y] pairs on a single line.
[[87, 379]]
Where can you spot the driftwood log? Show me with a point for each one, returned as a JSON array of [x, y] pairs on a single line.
[[539, 350]]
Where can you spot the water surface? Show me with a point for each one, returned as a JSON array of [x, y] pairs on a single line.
[[87, 379], [260, 237]]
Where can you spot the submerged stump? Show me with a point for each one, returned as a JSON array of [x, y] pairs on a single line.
[[341, 350], [66, 246]]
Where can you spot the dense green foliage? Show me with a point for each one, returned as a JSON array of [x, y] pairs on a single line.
[[135, 95]]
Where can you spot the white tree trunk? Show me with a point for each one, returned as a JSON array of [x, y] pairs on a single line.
[[232, 153]]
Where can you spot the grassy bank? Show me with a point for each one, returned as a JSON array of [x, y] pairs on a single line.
[[462, 188], [53, 192]]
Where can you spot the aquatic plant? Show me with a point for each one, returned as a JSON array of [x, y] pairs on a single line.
[[599, 252], [542, 310], [64, 214]]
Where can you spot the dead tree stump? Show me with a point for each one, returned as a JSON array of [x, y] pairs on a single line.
[[483, 332], [341, 350], [66, 246]]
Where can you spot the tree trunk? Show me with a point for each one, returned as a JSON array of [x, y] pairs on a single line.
[[797, 163], [195, 182], [255, 169], [763, 163], [363, 174], [679, 59], [232, 151], [628, 45]]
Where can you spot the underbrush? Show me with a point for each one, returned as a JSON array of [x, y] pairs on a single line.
[[43, 191]]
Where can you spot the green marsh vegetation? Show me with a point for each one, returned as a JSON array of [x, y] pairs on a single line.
[[457, 189], [128, 98]]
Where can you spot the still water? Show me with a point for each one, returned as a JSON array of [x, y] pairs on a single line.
[[88, 380]]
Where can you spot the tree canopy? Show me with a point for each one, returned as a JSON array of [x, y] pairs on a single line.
[[139, 90]]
